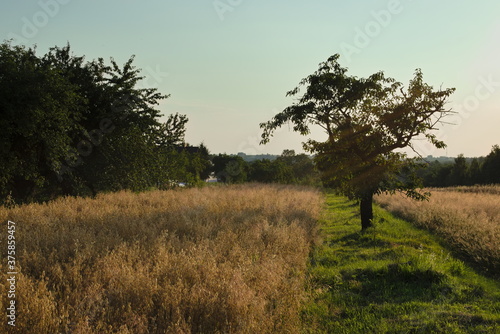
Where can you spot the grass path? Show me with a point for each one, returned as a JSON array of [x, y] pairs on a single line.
[[393, 278]]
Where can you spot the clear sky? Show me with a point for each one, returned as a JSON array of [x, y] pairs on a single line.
[[229, 63]]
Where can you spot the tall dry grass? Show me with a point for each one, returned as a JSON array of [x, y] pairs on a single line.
[[211, 260], [477, 189], [467, 217]]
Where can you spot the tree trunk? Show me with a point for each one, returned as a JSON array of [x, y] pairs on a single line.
[[366, 210]]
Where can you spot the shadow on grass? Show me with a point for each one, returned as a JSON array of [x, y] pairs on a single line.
[[343, 204], [362, 240], [379, 283], [398, 283], [349, 211]]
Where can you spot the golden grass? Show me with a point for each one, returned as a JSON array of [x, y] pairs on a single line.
[[211, 260], [467, 217], [481, 189]]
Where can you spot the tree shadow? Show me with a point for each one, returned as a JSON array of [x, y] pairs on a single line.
[[346, 206], [362, 240], [398, 283]]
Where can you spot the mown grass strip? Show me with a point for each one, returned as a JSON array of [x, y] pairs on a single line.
[[393, 278], [467, 218]]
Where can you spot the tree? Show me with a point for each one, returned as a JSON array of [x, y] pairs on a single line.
[[443, 178], [76, 127], [267, 171], [474, 172], [230, 168], [491, 166], [197, 166], [366, 120], [39, 109], [122, 154], [288, 168], [303, 170], [429, 174], [459, 171], [171, 133]]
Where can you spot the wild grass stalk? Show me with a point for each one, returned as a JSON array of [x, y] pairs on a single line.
[[211, 260]]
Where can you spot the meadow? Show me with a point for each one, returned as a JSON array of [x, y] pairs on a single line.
[[252, 259], [212, 260], [468, 218]]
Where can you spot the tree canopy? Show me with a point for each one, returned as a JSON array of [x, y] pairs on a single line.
[[366, 120], [76, 127]]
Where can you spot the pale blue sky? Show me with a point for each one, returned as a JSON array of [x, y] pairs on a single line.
[[229, 63]]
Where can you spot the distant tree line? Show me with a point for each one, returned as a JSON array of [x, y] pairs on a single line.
[[463, 171], [288, 168]]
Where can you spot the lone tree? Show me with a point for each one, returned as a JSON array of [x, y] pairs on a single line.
[[366, 120]]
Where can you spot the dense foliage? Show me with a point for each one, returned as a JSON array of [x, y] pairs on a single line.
[[76, 127], [366, 120], [288, 168], [463, 171]]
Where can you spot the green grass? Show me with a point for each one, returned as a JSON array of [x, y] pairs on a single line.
[[393, 278]]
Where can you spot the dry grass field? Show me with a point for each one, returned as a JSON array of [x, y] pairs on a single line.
[[211, 260], [467, 217]]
